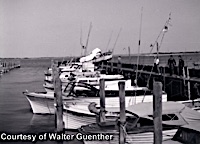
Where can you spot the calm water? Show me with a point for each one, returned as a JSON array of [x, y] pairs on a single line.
[[15, 112]]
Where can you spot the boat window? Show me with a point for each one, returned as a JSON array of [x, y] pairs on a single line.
[[93, 82], [83, 81], [86, 90], [143, 92], [167, 117], [144, 122]]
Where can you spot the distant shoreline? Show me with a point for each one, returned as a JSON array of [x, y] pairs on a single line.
[[141, 54]]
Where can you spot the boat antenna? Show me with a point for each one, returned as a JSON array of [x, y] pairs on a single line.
[[88, 38], [139, 43], [109, 41], [116, 39]]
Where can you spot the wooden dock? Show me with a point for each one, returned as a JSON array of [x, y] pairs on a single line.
[[177, 87], [7, 65]]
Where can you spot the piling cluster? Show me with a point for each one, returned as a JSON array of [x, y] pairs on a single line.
[[8, 65]]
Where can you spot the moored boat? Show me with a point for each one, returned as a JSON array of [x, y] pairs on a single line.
[[139, 123]]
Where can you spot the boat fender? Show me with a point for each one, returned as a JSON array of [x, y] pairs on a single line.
[[92, 108]]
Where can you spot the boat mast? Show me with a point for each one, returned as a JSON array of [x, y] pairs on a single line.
[[81, 43], [139, 43], [116, 40], [109, 41], [88, 38]]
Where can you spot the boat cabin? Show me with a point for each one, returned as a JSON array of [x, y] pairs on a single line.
[[139, 118]]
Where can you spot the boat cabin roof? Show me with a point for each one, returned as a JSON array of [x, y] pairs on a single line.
[[177, 112], [145, 109]]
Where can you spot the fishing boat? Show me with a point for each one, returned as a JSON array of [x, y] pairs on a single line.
[[97, 56], [43, 102], [89, 78], [139, 126], [89, 93], [77, 113]]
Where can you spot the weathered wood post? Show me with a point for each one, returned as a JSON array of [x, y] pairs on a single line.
[[122, 130], [58, 100], [157, 112], [102, 100], [102, 65], [188, 83], [119, 64], [164, 83], [111, 67]]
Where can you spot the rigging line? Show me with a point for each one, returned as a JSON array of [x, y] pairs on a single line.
[[139, 44], [161, 41], [109, 41], [116, 39], [166, 24], [88, 38]]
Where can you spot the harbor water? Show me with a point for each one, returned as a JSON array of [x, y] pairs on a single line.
[[16, 116]]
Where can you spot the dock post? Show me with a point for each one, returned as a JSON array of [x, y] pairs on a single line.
[[188, 83], [58, 100], [119, 65], [122, 129], [102, 100], [157, 112], [164, 83], [111, 67]]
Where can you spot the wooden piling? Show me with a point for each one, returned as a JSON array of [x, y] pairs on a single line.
[[102, 100], [164, 83], [188, 76], [58, 102], [111, 67], [122, 130], [157, 112]]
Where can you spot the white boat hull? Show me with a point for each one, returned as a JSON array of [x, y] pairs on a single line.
[[78, 114], [44, 104], [41, 105]]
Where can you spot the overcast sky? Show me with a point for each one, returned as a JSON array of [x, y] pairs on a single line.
[[45, 28]]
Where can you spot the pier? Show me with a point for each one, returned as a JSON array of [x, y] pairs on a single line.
[[7, 65], [177, 87]]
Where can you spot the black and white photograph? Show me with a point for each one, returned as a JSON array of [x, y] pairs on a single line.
[[100, 71]]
